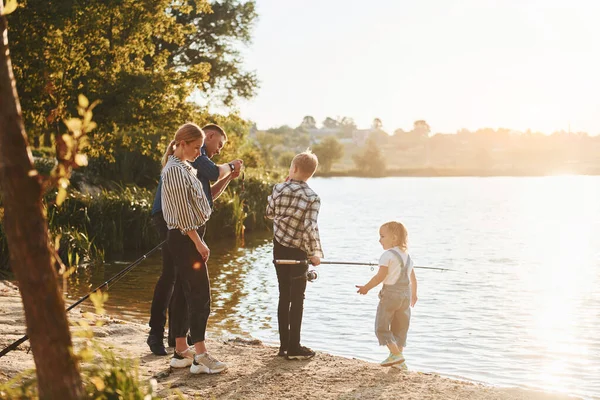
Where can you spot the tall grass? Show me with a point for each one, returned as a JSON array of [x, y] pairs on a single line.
[[90, 226]]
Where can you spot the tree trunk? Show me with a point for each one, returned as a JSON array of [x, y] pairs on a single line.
[[28, 242]]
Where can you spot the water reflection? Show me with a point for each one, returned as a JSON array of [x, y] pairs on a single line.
[[130, 296], [524, 311]]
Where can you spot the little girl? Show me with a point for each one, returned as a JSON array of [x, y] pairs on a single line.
[[398, 294]]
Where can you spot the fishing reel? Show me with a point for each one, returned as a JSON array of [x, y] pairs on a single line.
[[311, 275]]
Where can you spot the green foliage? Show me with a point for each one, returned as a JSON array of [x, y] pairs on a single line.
[[214, 41], [90, 226], [267, 143], [329, 150], [370, 162], [141, 59], [285, 159], [114, 221]]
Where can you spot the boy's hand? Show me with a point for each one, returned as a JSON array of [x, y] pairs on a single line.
[[413, 299], [314, 260], [362, 289]]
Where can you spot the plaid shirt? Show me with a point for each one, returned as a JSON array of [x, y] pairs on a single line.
[[294, 207]]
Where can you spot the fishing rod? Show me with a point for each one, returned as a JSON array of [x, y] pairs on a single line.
[[119, 275], [371, 264]]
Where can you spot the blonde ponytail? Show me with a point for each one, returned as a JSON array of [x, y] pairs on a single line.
[[187, 132], [170, 150]]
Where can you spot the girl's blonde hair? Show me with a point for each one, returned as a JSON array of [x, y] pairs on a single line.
[[399, 232], [187, 132]]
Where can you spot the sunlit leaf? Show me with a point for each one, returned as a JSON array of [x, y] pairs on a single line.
[[83, 101], [61, 196], [11, 5], [73, 124], [81, 160], [98, 382], [91, 126]]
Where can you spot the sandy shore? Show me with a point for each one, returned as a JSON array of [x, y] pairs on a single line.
[[255, 371]]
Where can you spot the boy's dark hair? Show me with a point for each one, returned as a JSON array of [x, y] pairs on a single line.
[[215, 128]]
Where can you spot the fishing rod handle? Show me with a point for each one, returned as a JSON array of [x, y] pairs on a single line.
[[290, 262]]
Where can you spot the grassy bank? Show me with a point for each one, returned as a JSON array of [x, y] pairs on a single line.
[[107, 223]]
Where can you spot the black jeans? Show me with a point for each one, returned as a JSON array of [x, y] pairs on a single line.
[[164, 287], [191, 301], [292, 286]]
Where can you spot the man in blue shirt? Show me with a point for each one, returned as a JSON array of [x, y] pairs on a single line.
[[207, 172]]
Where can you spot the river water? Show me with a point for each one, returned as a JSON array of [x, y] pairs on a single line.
[[522, 307]]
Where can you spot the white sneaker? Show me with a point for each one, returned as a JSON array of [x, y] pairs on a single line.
[[207, 364], [182, 360], [402, 366]]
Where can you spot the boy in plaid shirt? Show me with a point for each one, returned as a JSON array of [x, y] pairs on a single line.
[[294, 207]]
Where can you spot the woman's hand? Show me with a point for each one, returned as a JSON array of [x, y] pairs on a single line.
[[203, 250], [362, 289]]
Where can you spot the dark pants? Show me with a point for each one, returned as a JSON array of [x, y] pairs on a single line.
[[191, 302], [292, 286], [164, 287]]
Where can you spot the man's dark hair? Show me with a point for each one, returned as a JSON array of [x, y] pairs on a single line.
[[215, 128]]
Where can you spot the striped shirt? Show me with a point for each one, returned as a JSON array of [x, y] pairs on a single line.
[[294, 208], [184, 203]]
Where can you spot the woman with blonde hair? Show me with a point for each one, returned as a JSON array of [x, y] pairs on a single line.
[[186, 211]]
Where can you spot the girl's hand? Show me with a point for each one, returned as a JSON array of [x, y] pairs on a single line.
[[362, 289], [413, 299], [203, 250]]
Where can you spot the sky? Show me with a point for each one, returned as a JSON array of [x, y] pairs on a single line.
[[518, 64]]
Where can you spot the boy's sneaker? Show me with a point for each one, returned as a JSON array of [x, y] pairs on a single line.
[[282, 352], [402, 366], [207, 364], [392, 359], [182, 360], [302, 353]]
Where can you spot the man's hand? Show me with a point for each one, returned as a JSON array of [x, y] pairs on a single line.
[[237, 165], [362, 289], [314, 260]]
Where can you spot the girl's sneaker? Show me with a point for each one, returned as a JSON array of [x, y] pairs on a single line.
[[392, 359], [184, 359], [402, 366]]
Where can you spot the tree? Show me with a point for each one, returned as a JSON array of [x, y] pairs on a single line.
[[347, 125], [377, 124], [308, 122], [370, 161], [285, 159], [219, 28], [422, 128], [29, 246], [330, 123], [141, 59], [267, 143], [328, 151]]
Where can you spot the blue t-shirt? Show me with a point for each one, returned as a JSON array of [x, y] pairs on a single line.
[[207, 171]]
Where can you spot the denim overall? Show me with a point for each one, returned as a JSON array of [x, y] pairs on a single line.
[[393, 311]]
